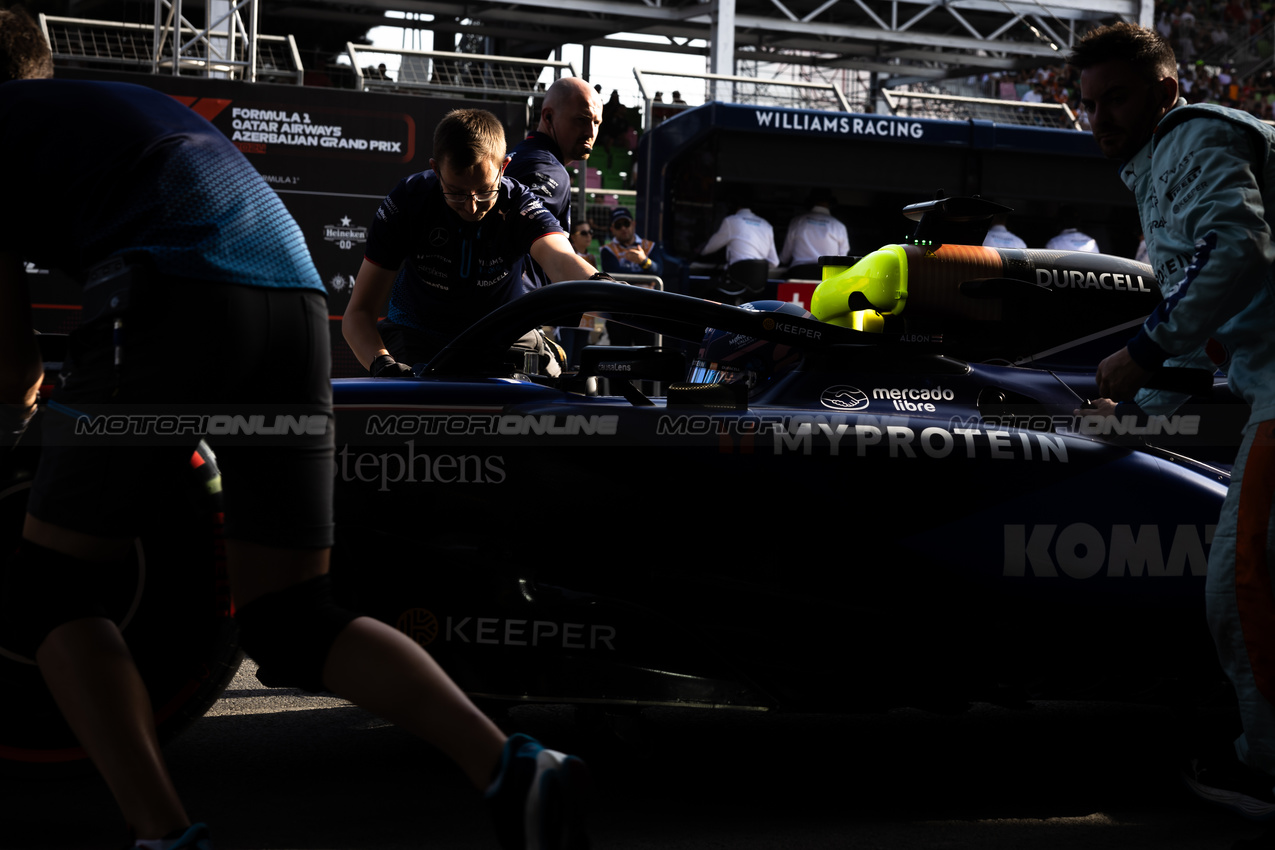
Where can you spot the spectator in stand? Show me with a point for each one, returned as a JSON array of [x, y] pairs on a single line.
[[628, 253], [812, 235], [615, 120], [677, 98], [1186, 20], [1189, 29], [581, 240], [1006, 89], [999, 236]]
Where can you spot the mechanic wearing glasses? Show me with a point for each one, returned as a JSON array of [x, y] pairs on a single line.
[[1204, 180], [447, 247], [569, 121]]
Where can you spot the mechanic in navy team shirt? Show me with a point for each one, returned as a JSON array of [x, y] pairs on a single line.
[[447, 247], [174, 237], [568, 127]]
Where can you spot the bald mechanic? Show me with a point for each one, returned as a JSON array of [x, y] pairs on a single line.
[[569, 120], [447, 247]]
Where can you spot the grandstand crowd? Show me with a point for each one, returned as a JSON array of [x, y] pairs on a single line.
[[1224, 51]]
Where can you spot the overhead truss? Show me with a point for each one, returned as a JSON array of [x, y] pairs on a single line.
[[908, 39]]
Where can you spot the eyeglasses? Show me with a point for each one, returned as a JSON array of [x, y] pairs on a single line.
[[461, 199], [584, 233]]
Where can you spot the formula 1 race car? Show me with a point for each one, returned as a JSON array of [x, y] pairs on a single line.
[[895, 506]]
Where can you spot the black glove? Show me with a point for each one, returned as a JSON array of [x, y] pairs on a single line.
[[13, 423], [385, 366], [602, 276]]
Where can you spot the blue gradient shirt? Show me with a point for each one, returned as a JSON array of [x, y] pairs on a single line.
[[142, 174]]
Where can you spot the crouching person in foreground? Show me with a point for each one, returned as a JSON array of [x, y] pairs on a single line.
[[175, 236]]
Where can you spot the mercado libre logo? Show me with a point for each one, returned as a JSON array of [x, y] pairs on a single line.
[[844, 397], [345, 235], [418, 624]]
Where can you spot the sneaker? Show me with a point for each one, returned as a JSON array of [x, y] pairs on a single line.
[[1232, 785], [194, 837], [537, 798]]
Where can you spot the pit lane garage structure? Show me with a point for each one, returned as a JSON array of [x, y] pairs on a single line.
[[695, 166], [332, 145], [901, 41], [1091, 539]]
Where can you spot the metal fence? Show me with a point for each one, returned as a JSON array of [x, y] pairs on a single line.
[[960, 108], [473, 75], [759, 91], [150, 48]]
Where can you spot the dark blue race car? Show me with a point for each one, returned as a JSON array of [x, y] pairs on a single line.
[[760, 510]]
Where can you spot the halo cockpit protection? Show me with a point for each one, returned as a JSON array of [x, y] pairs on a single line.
[[727, 357]]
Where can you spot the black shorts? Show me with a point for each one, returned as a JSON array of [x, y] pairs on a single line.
[[244, 368]]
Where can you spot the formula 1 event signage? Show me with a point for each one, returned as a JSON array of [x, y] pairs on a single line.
[[332, 155]]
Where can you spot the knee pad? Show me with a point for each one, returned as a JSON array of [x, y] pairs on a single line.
[[290, 632], [41, 589]]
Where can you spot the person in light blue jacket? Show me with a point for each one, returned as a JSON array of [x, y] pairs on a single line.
[[1204, 179]]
